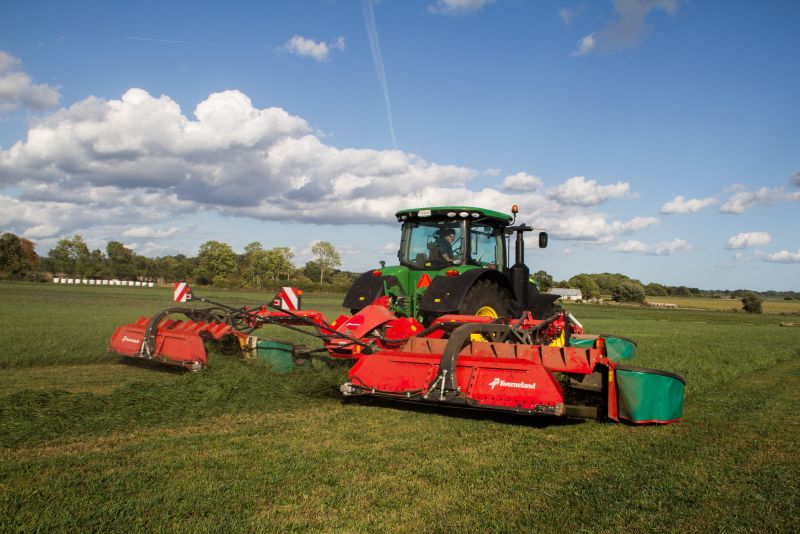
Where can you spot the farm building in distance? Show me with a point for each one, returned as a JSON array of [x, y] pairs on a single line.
[[566, 293]]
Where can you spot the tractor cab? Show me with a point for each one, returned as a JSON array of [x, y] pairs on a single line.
[[454, 260], [436, 238]]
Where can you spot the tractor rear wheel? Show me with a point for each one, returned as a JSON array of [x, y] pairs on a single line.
[[486, 299]]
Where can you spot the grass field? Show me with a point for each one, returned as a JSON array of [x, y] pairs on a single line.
[[770, 306], [88, 443]]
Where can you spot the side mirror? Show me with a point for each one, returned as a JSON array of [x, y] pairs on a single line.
[[542, 239]]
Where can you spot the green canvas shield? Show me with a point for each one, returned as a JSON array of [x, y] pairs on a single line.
[[649, 395], [278, 355], [620, 349]]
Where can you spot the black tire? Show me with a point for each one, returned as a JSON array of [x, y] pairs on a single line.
[[486, 293]]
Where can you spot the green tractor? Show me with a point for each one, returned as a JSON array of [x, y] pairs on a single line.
[[454, 260]]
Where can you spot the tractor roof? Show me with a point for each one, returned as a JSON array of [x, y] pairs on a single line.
[[453, 212]]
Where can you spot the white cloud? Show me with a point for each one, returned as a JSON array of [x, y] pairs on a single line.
[[580, 191], [664, 248], [585, 45], [148, 232], [150, 248], [631, 246], [743, 256], [318, 50], [17, 88], [568, 14], [743, 200], [40, 231], [7, 62], [389, 248], [749, 239], [628, 28], [522, 182], [492, 171], [591, 226], [784, 256], [693, 205], [457, 7], [671, 247], [795, 179], [134, 164]]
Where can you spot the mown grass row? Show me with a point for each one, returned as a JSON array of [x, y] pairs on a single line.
[[89, 443]]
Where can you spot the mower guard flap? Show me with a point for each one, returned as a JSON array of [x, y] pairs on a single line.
[[649, 395]]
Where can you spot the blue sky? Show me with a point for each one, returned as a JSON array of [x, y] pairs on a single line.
[[656, 138]]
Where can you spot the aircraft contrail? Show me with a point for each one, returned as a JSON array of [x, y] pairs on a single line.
[[377, 59]]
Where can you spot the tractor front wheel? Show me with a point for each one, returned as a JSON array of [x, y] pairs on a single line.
[[486, 299]]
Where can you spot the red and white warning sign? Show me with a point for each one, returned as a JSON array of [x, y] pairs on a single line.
[[288, 298], [182, 292]]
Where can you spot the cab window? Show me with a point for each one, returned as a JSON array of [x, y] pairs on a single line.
[[486, 245], [431, 244]]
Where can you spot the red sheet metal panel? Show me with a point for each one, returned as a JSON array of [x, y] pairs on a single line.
[[499, 382]]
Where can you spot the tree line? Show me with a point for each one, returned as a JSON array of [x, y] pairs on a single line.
[[216, 263], [622, 288]]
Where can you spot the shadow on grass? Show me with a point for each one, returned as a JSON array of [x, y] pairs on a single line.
[[152, 365], [466, 413]]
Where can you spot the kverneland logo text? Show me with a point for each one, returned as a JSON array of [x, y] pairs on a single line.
[[503, 383]]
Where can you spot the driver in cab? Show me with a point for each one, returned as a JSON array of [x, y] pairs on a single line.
[[445, 245]]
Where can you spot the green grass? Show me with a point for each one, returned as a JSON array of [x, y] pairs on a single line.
[[770, 306], [89, 443]]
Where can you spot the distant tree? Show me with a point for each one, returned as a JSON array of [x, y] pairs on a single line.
[[586, 284], [260, 265], [680, 291], [216, 261], [312, 271], [606, 282], [256, 263], [284, 266], [17, 255], [185, 266], [543, 280], [655, 290], [121, 260], [327, 257], [628, 292], [70, 256], [751, 303], [167, 267], [96, 265], [146, 267]]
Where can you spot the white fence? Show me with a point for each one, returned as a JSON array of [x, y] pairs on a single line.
[[94, 282]]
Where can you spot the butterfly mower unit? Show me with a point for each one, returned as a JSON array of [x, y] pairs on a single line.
[[452, 325]]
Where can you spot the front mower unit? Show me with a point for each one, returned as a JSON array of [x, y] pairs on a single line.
[[502, 372]]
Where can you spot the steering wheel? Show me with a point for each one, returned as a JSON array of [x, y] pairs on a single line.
[[457, 247]]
